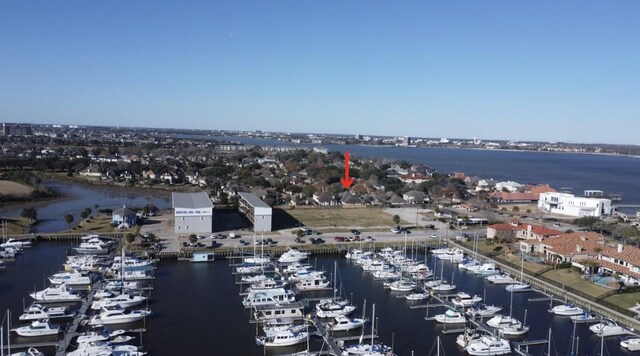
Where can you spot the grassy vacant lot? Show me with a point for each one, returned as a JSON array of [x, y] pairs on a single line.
[[339, 217], [13, 188], [625, 300], [573, 279], [98, 223], [15, 226]]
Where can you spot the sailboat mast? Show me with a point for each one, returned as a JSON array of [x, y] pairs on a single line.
[[373, 324]]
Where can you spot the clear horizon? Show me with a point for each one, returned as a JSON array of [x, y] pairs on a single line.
[[543, 71]]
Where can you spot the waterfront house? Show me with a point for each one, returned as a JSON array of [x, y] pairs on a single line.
[[413, 178], [587, 249], [124, 217], [415, 197], [485, 185], [92, 171], [508, 186], [529, 234], [513, 198], [570, 205]]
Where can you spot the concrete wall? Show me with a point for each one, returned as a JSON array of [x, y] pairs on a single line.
[[193, 224]]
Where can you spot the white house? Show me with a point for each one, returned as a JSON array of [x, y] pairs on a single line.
[[509, 186], [570, 205]]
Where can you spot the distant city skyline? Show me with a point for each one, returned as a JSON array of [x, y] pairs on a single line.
[[540, 71]]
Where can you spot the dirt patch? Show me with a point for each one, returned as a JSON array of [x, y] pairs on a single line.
[[13, 188]]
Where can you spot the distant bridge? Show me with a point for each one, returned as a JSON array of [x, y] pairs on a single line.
[[618, 206]]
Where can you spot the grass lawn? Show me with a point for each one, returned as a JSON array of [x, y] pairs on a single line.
[[9, 187], [528, 266], [15, 226], [573, 279], [345, 218], [97, 223], [624, 300]]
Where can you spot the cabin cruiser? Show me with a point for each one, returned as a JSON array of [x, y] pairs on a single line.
[[117, 315], [257, 260], [102, 348], [268, 297], [55, 294], [39, 312], [342, 323], [254, 279], [368, 349], [16, 243], [389, 273], [295, 267], [37, 328], [567, 310], [279, 326], [93, 248], [607, 328], [123, 300], [293, 255], [268, 283], [631, 343], [285, 338], [501, 321], [517, 287], [304, 274], [331, 308], [514, 329], [489, 345], [464, 300], [70, 279], [417, 296], [249, 269], [469, 264], [131, 264], [481, 310], [316, 282], [355, 254], [92, 336], [469, 336], [453, 255], [265, 313], [501, 278], [441, 251], [451, 316], [444, 287], [487, 269]]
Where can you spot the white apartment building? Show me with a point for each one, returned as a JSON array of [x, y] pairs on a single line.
[[570, 205]]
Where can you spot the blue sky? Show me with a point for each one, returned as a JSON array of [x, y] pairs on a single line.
[[527, 70]]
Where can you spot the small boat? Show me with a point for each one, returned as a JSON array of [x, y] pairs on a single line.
[[417, 296], [39, 312], [271, 329], [286, 338], [487, 269], [37, 328], [489, 345], [463, 340], [585, 318], [464, 300], [451, 316], [369, 349], [482, 310], [32, 351], [441, 251], [518, 287], [567, 310], [608, 328], [70, 279], [631, 343], [120, 339], [342, 323], [514, 329], [317, 282], [444, 287]]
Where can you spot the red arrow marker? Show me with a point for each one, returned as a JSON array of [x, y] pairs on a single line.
[[346, 181]]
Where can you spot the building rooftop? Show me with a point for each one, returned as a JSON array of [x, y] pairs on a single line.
[[253, 200], [191, 200]]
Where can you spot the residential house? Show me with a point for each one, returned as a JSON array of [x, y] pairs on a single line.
[[570, 205], [168, 178], [485, 185], [349, 199], [513, 198], [324, 199], [124, 217], [413, 178], [149, 174], [579, 247], [508, 186], [92, 171], [415, 197]]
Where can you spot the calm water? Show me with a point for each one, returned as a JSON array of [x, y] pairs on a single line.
[[197, 309]]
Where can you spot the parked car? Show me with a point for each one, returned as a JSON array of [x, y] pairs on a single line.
[[299, 240], [396, 230], [369, 238], [433, 236], [355, 232]]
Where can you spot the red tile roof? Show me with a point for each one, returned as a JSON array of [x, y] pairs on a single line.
[[542, 230], [505, 196], [503, 227], [541, 189], [565, 245]]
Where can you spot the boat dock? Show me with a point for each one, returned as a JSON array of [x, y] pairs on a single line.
[[522, 348], [322, 331]]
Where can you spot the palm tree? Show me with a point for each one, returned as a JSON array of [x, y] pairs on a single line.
[[69, 219]]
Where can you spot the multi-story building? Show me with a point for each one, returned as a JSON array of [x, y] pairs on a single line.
[[256, 210], [193, 212], [570, 205]]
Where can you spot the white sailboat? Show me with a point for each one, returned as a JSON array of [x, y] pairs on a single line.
[[372, 349], [519, 286]]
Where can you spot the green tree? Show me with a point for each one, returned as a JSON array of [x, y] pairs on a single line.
[[193, 238], [30, 213], [396, 219], [300, 233], [69, 219], [130, 238], [515, 209]]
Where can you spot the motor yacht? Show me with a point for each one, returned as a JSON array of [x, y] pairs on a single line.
[[451, 316], [444, 287], [489, 345], [70, 279], [39, 312], [514, 329], [469, 336], [342, 323], [518, 287], [123, 301], [501, 278], [117, 316], [331, 308], [487, 269], [567, 310], [93, 248], [317, 282], [16, 243], [481, 310], [293, 255], [402, 286], [501, 321], [287, 338], [274, 329], [608, 328], [268, 297], [453, 255], [38, 328], [464, 300], [417, 296], [55, 294]]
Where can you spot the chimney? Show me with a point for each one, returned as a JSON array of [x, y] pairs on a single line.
[[578, 248], [529, 228], [620, 247]]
